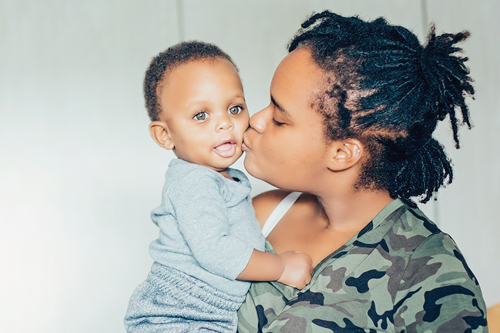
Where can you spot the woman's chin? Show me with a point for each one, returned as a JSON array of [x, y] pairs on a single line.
[[253, 169], [249, 166]]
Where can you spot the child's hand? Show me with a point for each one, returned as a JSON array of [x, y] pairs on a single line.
[[297, 269]]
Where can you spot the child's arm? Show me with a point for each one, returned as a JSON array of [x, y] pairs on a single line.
[[203, 222], [292, 268]]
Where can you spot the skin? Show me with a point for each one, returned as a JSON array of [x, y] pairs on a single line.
[[203, 119], [286, 147]]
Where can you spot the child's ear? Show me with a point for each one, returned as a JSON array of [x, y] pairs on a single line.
[[159, 132], [344, 154]]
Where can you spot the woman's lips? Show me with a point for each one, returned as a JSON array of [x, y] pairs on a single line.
[[244, 145], [226, 149]]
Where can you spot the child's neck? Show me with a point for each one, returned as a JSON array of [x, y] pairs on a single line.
[[226, 174]]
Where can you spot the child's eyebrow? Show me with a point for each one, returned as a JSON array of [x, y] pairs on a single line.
[[279, 106]]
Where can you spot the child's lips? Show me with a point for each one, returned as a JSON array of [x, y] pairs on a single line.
[[226, 148]]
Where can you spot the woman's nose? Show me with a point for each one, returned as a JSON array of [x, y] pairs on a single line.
[[258, 121]]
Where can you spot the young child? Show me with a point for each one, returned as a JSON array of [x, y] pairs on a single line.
[[210, 243]]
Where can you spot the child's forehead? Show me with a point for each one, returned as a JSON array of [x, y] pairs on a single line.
[[195, 69], [197, 62], [200, 80]]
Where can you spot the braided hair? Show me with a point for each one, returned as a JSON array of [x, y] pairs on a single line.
[[389, 91], [170, 59]]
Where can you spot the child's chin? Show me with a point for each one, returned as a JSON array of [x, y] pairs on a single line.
[[228, 162]]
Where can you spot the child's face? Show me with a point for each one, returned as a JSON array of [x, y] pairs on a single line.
[[205, 112]]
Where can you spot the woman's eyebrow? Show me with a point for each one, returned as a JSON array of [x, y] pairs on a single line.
[[279, 106]]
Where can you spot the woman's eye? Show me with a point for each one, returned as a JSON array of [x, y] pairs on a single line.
[[201, 116], [277, 123], [235, 110]]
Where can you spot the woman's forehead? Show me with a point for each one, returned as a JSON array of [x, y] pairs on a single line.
[[299, 61], [298, 79]]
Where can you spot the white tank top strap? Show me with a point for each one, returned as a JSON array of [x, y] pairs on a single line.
[[279, 211]]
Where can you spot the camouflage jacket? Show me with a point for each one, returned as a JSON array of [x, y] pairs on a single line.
[[399, 274]]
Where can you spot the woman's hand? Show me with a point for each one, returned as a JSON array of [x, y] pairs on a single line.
[[297, 269]]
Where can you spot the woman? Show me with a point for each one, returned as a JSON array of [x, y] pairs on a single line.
[[353, 108]]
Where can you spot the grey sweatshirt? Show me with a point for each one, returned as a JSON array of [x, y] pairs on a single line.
[[207, 225]]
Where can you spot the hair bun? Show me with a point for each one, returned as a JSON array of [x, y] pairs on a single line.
[[446, 77]]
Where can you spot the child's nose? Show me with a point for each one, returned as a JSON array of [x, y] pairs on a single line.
[[224, 123]]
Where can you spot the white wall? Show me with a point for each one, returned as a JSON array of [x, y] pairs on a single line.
[[79, 173]]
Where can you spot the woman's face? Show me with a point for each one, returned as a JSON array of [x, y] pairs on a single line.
[[285, 145]]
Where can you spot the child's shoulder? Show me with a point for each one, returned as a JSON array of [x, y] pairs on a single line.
[[181, 174]]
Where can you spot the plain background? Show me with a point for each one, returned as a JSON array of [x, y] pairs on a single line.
[[79, 173]]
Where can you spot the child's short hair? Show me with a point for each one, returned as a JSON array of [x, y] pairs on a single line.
[[168, 60]]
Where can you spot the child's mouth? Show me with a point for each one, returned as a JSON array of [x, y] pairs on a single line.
[[226, 149]]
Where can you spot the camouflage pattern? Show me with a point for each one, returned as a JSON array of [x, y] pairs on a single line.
[[399, 274]]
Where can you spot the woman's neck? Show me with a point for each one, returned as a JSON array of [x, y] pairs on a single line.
[[352, 211]]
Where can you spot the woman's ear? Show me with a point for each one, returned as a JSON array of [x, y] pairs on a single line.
[[344, 154], [159, 132]]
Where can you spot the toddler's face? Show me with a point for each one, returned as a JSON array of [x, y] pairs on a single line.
[[205, 112]]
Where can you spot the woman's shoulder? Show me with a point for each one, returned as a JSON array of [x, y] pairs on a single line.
[[266, 202], [445, 255]]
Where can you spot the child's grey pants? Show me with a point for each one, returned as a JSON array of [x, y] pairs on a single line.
[[172, 301]]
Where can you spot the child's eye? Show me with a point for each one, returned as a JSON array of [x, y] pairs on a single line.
[[235, 110], [277, 123], [201, 116]]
